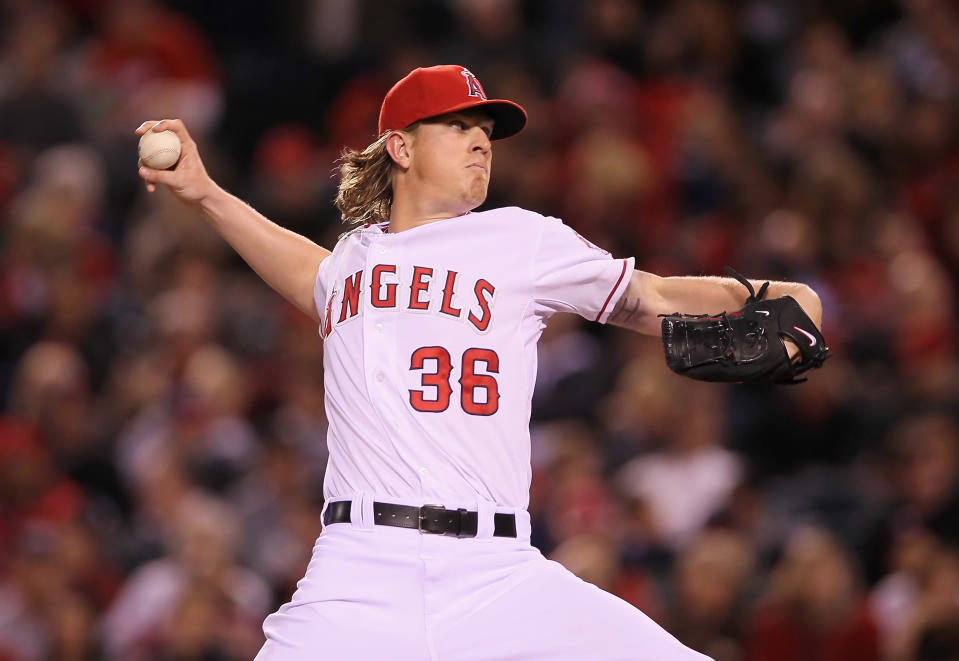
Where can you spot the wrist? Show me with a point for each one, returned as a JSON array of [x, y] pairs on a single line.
[[212, 201], [812, 306]]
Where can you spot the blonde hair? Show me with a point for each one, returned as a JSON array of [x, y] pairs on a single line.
[[365, 194]]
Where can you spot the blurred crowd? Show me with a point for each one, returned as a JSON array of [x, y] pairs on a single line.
[[161, 411]]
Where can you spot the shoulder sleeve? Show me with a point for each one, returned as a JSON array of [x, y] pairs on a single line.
[[323, 290], [571, 274]]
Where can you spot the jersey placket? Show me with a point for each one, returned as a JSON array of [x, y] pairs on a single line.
[[380, 358]]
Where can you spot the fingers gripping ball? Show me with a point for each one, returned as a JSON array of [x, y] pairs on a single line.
[[159, 150]]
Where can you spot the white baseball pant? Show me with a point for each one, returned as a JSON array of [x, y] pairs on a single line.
[[378, 592]]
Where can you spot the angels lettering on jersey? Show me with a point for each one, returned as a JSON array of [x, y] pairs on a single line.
[[417, 289]]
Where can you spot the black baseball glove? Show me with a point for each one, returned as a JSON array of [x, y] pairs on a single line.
[[745, 346]]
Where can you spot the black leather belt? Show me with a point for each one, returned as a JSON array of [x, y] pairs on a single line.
[[434, 519]]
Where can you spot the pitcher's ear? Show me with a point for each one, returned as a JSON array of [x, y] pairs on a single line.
[[398, 146]]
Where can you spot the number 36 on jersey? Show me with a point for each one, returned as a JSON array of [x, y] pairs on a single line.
[[478, 389]]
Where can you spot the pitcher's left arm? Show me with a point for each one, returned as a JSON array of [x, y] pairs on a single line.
[[727, 329]]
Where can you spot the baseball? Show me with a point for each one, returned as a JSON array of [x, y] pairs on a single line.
[[159, 150]]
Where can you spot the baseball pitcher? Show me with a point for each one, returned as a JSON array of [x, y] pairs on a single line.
[[430, 315]]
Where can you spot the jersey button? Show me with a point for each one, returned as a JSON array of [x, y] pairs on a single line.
[[380, 376], [379, 326], [382, 250], [424, 470]]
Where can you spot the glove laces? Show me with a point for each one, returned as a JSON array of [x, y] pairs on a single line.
[[753, 296]]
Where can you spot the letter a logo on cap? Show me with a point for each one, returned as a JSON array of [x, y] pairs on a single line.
[[473, 87]]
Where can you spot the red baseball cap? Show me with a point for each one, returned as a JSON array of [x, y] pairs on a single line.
[[431, 91]]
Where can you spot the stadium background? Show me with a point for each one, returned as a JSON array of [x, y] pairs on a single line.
[[161, 436]]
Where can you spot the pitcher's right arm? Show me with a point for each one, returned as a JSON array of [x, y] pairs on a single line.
[[284, 260]]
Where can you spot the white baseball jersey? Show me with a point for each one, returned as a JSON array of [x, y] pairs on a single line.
[[430, 362], [430, 350]]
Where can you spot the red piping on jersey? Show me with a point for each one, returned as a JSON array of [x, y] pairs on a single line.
[[615, 287]]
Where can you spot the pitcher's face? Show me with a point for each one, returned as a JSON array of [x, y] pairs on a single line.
[[451, 159]]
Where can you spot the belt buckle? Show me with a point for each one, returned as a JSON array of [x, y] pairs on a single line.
[[434, 525]]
